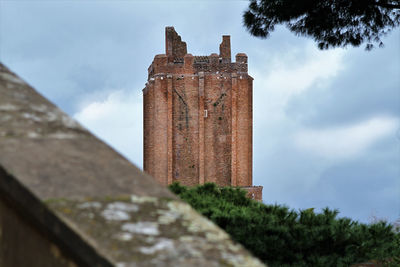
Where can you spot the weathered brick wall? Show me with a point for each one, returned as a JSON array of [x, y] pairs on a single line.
[[185, 129], [218, 137], [198, 125], [148, 113], [244, 126]]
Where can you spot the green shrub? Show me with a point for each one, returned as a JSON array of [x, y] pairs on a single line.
[[283, 237]]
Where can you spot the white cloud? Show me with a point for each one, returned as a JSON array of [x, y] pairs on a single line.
[[286, 76], [118, 120], [292, 74], [293, 78], [346, 142]]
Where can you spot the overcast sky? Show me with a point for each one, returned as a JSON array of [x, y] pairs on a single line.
[[326, 123]]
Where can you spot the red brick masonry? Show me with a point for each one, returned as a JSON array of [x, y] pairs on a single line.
[[198, 117]]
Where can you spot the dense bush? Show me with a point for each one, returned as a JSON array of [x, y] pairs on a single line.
[[283, 237]]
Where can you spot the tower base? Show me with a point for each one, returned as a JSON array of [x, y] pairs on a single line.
[[254, 192]]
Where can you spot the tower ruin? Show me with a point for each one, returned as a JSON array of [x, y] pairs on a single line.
[[198, 117]]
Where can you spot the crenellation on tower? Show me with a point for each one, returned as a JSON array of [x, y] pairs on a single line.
[[175, 49], [198, 117], [241, 58], [225, 49]]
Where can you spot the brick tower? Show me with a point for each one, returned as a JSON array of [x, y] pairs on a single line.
[[198, 117]]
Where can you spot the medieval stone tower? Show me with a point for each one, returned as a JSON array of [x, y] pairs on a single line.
[[198, 117]]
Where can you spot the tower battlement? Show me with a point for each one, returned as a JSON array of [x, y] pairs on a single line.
[[177, 60], [198, 117]]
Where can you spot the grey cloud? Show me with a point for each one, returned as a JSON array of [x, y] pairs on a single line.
[[361, 187], [369, 86], [366, 186]]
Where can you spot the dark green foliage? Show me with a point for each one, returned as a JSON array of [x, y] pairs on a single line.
[[283, 237], [331, 23]]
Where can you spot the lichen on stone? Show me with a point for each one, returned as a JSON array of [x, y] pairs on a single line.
[[29, 115], [167, 216], [145, 228], [162, 244], [115, 215], [11, 78], [8, 107], [93, 204], [149, 231], [143, 199]]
